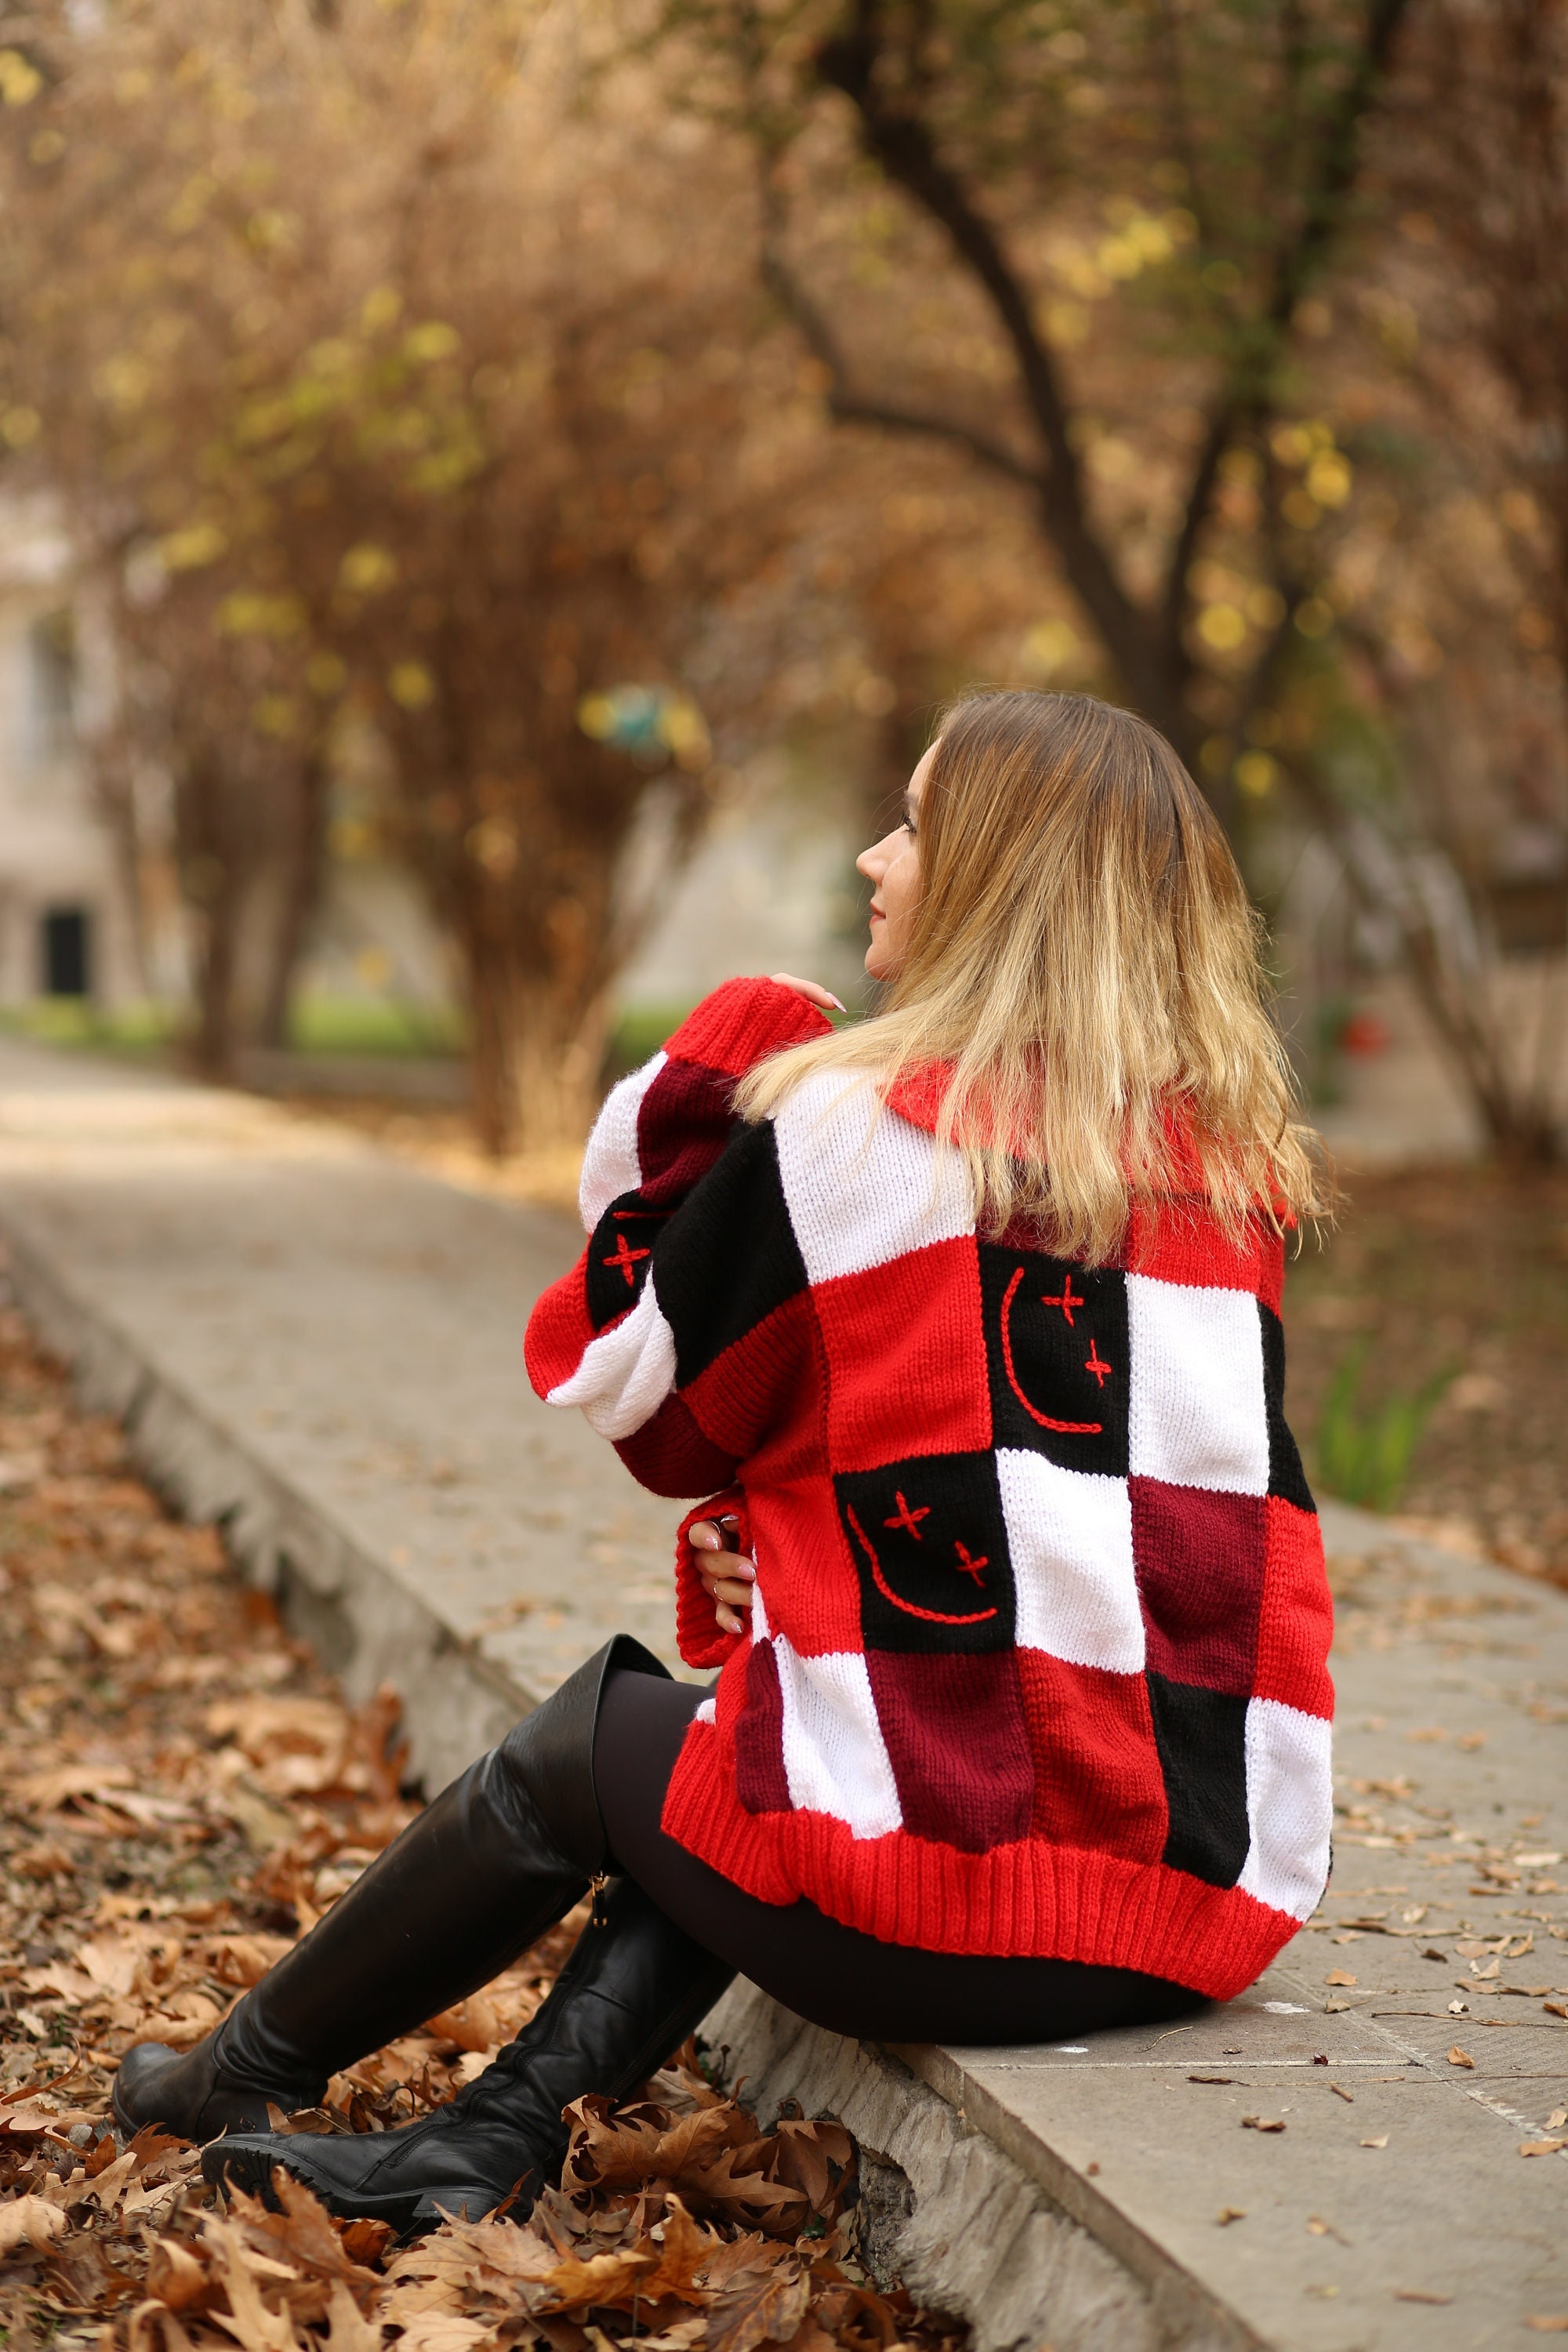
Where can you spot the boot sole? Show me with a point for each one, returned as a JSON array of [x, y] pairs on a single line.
[[249, 2171]]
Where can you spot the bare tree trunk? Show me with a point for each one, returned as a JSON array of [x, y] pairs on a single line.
[[210, 876], [303, 872], [536, 1050], [212, 1039]]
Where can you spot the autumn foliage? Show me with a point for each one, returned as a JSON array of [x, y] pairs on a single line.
[[183, 1795]]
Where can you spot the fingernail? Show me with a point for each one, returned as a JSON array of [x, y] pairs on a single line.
[[828, 994], [744, 1568]]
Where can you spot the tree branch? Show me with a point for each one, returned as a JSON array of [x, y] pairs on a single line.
[[904, 147], [1246, 398], [850, 406]]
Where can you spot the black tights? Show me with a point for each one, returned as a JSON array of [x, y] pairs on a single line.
[[830, 1974]]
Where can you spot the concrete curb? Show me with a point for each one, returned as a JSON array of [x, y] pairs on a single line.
[[317, 1348], [953, 2216]]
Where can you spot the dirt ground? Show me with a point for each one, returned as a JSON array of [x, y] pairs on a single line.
[[1461, 1270], [181, 1792]]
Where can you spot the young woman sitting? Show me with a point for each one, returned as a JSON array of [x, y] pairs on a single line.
[[965, 1321]]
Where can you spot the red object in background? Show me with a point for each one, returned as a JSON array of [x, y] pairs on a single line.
[[1366, 1035]]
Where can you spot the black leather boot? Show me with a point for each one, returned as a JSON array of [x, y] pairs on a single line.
[[497, 1858], [634, 1987]]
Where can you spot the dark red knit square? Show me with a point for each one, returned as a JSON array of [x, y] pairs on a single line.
[[906, 1357], [761, 1782], [1199, 1559], [1098, 1781], [811, 1591], [1297, 1622], [958, 1741], [683, 1125]]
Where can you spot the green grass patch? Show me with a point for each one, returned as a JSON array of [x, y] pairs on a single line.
[[133, 1029], [1366, 1442], [392, 1026]]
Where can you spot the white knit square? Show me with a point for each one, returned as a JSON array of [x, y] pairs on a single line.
[[610, 1163], [1290, 1806], [1196, 1412], [1070, 1536], [862, 1185], [835, 1757], [625, 1373]]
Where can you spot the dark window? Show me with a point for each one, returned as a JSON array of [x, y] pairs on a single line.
[[53, 645], [66, 943]]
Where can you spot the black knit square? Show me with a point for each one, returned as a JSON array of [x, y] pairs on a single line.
[[1058, 1357], [1202, 1738], [1286, 1476], [728, 1255], [930, 1544], [620, 1256]]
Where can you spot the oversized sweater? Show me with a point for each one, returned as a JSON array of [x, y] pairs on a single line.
[[1037, 1660]]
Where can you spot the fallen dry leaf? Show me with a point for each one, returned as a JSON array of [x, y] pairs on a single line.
[[1542, 2147], [1262, 2123], [30, 2221], [1458, 2057], [1339, 1977], [1229, 2213], [1381, 2141], [207, 1796], [1547, 2323]]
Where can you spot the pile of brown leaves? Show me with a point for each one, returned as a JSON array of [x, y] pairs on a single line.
[[181, 1793]]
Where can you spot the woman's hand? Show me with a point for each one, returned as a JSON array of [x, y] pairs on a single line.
[[813, 991], [730, 1580]]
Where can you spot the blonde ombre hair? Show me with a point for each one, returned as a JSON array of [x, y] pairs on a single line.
[[1084, 960]]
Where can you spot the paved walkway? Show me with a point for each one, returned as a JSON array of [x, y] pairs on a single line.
[[323, 1347]]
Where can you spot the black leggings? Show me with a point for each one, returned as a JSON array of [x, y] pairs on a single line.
[[830, 1974]]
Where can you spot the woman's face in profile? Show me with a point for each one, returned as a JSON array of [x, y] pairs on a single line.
[[892, 866]]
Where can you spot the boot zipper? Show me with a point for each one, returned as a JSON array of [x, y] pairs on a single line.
[[597, 1883]]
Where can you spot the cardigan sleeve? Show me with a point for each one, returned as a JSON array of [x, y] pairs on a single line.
[[667, 1179]]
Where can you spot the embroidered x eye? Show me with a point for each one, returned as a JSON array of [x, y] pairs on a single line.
[[910, 1521], [626, 1257]]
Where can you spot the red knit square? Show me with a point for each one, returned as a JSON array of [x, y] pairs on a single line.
[[560, 1330], [1297, 1622], [957, 1739], [764, 1395], [810, 1588], [1098, 1781], [742, 1021], [906, 1357], [1176, 1245], [1199, 1560]]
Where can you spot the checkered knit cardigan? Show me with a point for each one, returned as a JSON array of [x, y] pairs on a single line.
[[1036, 1661]]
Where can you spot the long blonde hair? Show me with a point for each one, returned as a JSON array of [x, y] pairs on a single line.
[[1084, 961]]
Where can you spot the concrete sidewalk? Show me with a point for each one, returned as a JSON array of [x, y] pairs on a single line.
[[321, 1348]]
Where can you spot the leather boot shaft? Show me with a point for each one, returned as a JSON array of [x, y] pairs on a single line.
[[497, 1858], [634, 1987]]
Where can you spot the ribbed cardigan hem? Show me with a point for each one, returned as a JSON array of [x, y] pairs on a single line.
[[1027, 1899]]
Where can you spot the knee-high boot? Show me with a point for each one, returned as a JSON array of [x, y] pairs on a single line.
[[496, 1859], [634, 1987]]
